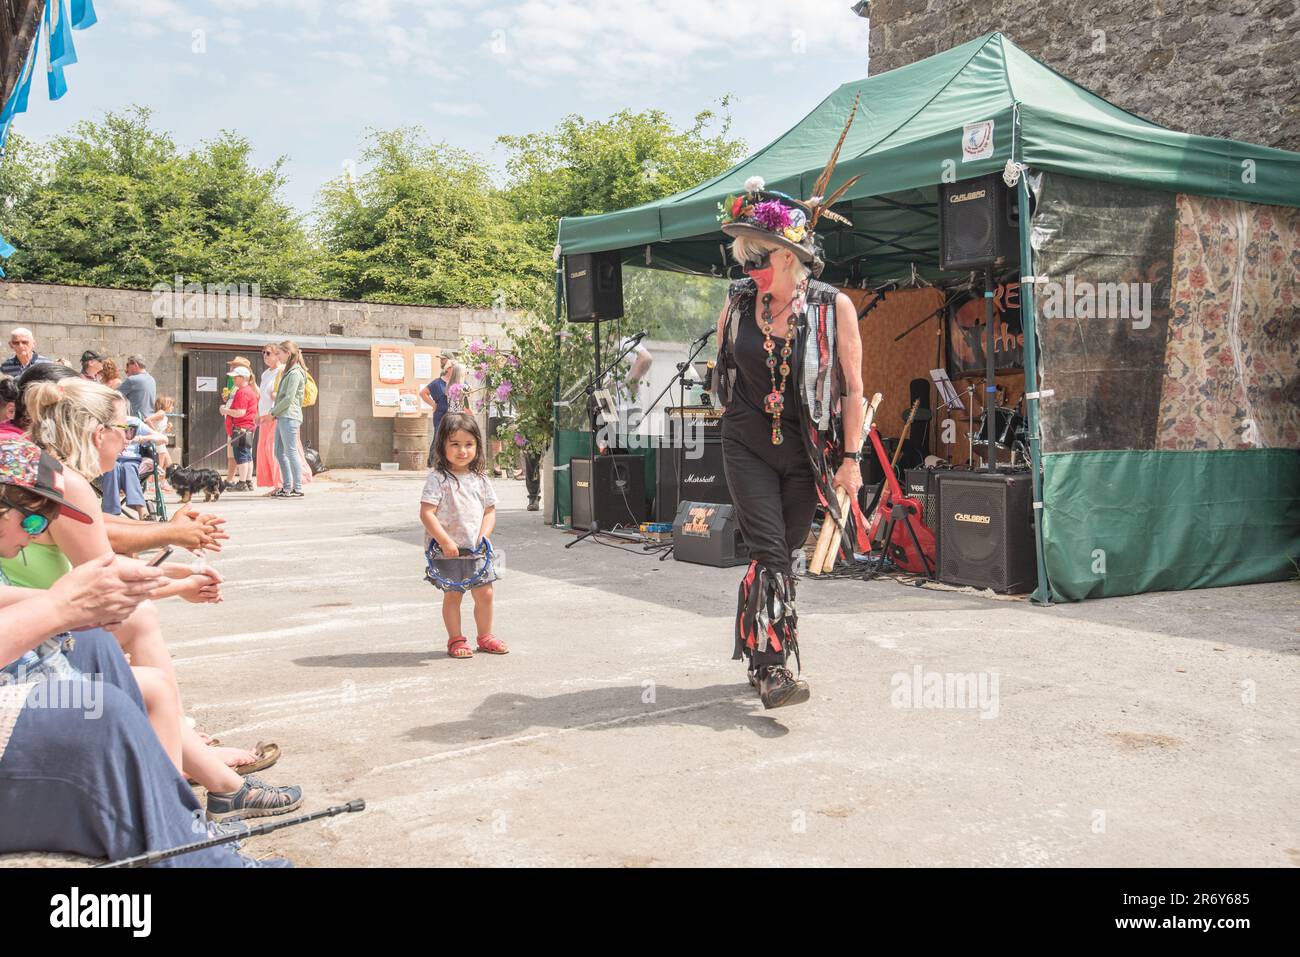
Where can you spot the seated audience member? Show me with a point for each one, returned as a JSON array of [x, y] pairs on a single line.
[[81, 770], [186, 529], [82, 425], [8, 403], [23, 343], [122, 482]]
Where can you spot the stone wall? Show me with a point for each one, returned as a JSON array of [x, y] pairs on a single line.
[[67, 320], [1225, 68]]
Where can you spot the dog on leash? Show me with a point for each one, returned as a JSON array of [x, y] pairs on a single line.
[[187, 481]]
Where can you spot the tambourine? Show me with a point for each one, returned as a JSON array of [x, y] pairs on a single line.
[[484, 559]]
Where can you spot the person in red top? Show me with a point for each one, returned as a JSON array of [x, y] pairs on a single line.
[[240, 411]]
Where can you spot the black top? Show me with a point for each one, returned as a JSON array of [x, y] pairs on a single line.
[[753, 378]]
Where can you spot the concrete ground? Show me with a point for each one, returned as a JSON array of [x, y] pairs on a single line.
[[1157, 730]]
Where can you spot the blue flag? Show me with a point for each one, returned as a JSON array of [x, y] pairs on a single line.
[[62, 51], [83, 14]]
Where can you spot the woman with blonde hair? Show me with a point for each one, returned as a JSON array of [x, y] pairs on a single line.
[[287, 411], [788, 375], [83, 425]]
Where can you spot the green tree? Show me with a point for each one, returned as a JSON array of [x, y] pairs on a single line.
[[422, 223], [116, 203]]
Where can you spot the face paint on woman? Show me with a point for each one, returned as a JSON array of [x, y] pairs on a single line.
[[762, 276]]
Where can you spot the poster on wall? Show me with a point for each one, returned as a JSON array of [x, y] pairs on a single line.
[[397, 373], [967, 332]]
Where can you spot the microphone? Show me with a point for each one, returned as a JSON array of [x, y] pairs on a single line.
[[703, 337]]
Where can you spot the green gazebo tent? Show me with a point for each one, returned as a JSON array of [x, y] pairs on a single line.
[[1177, 494]]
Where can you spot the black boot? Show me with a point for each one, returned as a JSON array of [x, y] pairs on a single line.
[[778, 687], [534, 504]]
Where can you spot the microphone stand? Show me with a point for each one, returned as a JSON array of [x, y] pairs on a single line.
[[590, 393], [680, 377]]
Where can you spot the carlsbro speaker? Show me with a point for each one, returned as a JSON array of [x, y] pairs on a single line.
[[593, 286], [706, 533], [978, 224], [986, 530], [618, 492]]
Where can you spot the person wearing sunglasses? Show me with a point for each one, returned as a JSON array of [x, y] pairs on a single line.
[[788, 376]]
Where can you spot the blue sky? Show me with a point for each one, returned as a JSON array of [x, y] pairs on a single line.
[[305, 78]]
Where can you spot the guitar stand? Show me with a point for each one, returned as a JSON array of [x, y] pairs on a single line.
[[897, 514]]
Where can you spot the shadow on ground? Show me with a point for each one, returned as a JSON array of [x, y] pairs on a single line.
[[718, 707]]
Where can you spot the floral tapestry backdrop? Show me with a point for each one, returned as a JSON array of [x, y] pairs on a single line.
[[1233, 353]]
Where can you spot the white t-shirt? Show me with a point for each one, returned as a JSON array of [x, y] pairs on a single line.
[[461, 502], [266, 392]]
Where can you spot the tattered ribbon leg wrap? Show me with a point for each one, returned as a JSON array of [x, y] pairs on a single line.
[[767, 625]]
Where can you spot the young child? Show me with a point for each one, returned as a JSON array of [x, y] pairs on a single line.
[[160, 422], [458, 510]]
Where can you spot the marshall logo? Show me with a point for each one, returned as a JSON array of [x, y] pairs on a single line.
[[706, 479], [698, 523], [967, 197], [976, 519]]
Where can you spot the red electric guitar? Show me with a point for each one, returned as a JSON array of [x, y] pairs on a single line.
[[907, 541]]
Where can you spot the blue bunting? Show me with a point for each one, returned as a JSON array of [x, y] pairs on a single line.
[[83, 14], [62, 51]]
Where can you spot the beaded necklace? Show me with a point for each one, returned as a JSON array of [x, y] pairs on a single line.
[[775, 401]]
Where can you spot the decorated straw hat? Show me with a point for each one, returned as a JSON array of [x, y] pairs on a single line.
[[782, 220]]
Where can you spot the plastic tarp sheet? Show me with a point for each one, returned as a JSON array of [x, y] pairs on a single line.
[[1171, 434]]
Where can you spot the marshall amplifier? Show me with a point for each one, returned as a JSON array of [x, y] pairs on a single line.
[[978, 224], [706, 533], [699, 466], [986, 530], [618, 491]]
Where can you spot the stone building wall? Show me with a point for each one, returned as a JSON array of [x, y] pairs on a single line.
[[1225, 68], [67, 320]]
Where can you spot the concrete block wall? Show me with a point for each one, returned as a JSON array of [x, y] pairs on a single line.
[[62, 319], [1224, 68]]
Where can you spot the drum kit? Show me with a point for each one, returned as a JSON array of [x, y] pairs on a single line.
[[1011, 434]]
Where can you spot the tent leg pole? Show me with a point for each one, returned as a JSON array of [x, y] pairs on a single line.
[[1028, 321], [555, 407]]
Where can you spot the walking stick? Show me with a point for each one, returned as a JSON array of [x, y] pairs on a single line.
[[822, 561], [153, 857]]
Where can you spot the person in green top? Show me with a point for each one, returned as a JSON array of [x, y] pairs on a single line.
[[287, 410]]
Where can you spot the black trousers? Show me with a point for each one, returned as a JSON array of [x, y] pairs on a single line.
[[775, 494], [533, 474]]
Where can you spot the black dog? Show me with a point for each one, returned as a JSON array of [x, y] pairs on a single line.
[[187, 481]]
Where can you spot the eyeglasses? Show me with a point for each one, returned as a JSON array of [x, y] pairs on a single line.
[[33, 523], [127, 429]]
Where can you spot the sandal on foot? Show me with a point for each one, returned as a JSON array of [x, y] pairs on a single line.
[[458, 647], [267, 754], [492, 645]]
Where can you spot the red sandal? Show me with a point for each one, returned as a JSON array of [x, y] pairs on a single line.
[[458, 647], [492, 645]]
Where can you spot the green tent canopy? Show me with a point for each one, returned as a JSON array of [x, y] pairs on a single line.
[[907, 138]]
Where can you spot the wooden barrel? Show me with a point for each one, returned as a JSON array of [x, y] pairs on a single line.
[[412, 461], [411, 434]]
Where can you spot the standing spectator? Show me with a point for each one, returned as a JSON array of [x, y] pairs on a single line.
[[240, 411], [435, 393], [161, 421], [109, 374], [227, 391], [23, 343], [288, 420], [92, 363], [268, 470], [139, 388]]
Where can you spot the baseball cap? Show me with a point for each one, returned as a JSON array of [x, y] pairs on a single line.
[[241, 370], [90, 355], [24, 465]]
